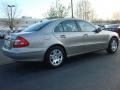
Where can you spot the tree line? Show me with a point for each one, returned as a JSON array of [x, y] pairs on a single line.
[[83, 10]]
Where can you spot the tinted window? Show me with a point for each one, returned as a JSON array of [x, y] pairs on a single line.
[[69, 26], [85, 26], [59, 28], [37, 26]]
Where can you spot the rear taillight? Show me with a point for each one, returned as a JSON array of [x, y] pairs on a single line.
[[20, 42]]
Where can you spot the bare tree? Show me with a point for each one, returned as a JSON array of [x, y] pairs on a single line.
[[58, 10], [10, 12], [52, 13], [84, 10]]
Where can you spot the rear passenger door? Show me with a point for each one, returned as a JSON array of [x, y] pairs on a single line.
[[68, 33]]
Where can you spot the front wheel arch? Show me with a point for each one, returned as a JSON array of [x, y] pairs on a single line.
[[115, 38], [109, 47], [112, 38]]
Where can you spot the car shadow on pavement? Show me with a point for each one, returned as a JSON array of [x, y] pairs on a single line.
[[28, 70], [28, 67], [87, 57], [31, 67]]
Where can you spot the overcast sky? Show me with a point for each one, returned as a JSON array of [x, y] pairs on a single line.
[[38, 8]]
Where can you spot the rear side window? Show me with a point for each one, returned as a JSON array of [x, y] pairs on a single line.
[[59, 28], [69, 26], [37, 26]]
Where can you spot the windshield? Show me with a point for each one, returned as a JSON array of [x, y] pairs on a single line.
[[37, 26]]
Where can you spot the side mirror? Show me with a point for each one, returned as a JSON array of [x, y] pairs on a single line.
[[98, 30]]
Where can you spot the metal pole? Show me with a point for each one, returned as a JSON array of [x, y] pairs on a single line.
[[11, 17], [72, 8]]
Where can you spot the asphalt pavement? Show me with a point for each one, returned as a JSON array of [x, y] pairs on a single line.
[[3, 59], [92, 71]]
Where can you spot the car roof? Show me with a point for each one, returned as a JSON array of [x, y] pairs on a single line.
[[63, 19]]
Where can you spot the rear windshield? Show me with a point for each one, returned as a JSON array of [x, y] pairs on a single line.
[[37, 26]]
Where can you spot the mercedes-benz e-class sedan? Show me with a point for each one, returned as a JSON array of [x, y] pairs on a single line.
[[54, 40]]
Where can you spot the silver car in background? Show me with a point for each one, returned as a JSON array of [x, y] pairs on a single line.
[[54, 40]]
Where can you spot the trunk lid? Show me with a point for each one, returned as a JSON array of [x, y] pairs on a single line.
[[10, 38]]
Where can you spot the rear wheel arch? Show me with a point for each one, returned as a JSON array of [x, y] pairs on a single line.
[[60, 47]]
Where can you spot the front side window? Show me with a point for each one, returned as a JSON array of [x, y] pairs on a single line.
[[69, 26], [85, 26]]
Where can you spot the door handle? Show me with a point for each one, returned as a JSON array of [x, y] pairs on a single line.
[[63, 36], [85, 35]]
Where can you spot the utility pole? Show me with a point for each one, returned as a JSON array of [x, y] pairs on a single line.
[[11, 16], [72, 8]]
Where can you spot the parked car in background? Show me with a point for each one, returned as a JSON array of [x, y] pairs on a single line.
[[2, 33], [114, 28], [54, 40], [16, 31], [102, 26]]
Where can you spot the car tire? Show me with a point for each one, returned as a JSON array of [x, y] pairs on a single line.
[[113, 46], [55, 56]]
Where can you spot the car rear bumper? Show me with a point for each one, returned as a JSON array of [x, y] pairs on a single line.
[[24, 56]]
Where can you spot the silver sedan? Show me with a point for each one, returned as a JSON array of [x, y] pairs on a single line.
[[54, 40]]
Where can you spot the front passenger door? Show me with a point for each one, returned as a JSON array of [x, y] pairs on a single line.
[[92, 40]]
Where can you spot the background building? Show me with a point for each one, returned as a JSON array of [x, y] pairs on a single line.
[[19, 23]]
